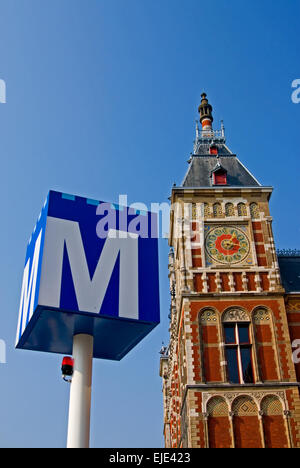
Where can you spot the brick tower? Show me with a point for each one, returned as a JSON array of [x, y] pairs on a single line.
[[230, 378]]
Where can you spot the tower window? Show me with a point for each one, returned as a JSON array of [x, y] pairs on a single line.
[[220, 178], [229, 209], [238, 350], [219, 174], [213, 150], [217, 210], [242, 209], [194, 211], [206, 210], [254, 211]]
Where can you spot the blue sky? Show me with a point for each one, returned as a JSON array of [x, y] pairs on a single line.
[[102, 97]]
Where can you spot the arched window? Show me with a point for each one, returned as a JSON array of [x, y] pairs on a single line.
[[245, 422], [210, 350], [206, 210], [242, 209], [217, 209], [218, 423], [194, 211], [254, 210], [264, 338], [275, 432], [238, 347], [229, 209]]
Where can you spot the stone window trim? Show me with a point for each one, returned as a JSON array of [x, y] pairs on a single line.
[[264, 316], [236, 348], [259, 314]]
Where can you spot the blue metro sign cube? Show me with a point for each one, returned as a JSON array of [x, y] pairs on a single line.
[[91, 267]]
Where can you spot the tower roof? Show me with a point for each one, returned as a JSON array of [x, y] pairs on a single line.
[[210, 150], [201, 168]]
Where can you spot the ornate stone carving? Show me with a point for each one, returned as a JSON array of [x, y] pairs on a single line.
[[261, 316], [245, 405], [242, 209], [229, 209], [272, 405], [208, 316], [217, 210], [217, 406], [254, 210], [257, 396], [236, 315], [206, 210]]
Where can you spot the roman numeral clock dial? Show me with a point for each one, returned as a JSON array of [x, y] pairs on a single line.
[[226, 245]]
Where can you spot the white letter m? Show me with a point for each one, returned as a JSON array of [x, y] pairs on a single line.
[[90, 292]]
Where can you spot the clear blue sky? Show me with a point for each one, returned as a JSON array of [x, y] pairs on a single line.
[[102, 96]]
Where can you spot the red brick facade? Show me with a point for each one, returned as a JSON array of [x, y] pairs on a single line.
[[202, 407]]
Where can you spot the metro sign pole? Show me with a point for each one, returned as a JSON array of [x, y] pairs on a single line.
[[88, 295], [80, 394]]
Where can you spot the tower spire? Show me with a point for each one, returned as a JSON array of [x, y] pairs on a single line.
[[197, 131], [205, 111]]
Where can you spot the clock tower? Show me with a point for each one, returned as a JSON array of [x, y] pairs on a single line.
[[230, 377]]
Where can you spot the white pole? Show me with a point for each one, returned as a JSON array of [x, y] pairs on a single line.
[[80, 393]]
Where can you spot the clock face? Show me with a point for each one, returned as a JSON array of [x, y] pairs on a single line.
[[227, 245]]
